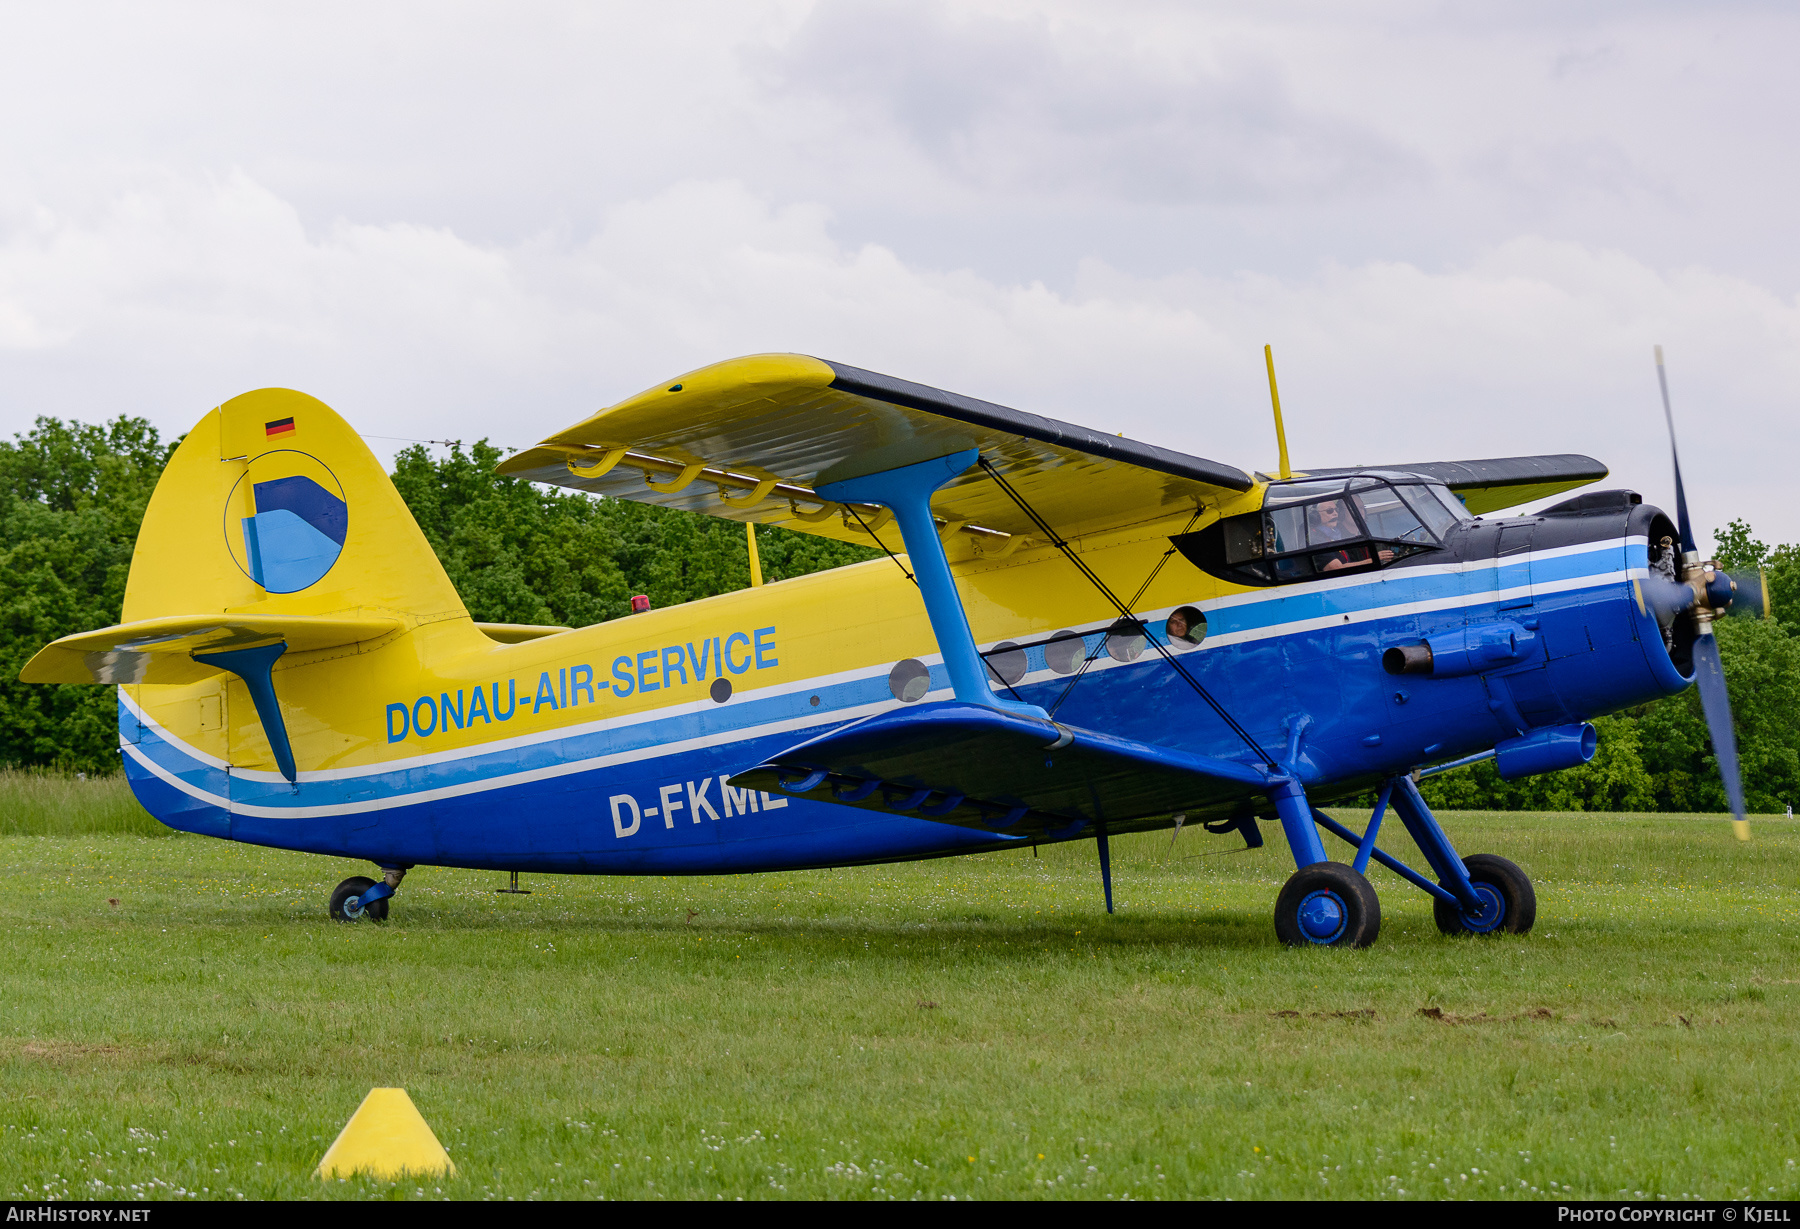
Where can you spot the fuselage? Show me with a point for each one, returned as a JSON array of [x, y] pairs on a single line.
[[606, 749]]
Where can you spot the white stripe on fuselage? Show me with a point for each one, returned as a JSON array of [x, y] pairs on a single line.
[[726, 737]]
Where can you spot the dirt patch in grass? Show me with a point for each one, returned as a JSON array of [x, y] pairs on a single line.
[[1538, 1014], [67, 1051]]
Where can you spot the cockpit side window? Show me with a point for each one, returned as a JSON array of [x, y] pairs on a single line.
[[1387, 517], [1286, 530], [1436, 506], [1317, 528]]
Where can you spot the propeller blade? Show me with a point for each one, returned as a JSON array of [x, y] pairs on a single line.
[[1715, 702], [1665, 598], [1749, 597], [1681, 512]]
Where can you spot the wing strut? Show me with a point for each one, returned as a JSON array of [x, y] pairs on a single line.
[[1105, 865], [907, 491]]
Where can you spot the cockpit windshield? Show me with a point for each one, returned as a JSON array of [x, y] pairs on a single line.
[[1317, 527]]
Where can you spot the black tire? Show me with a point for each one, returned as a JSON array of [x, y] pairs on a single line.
[[356, 885], [1321, 889], [1506, 881]]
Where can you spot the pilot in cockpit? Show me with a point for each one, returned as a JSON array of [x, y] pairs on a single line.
[[1330, 521]]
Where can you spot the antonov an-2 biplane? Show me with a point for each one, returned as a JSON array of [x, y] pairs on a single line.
[[1077, 635]]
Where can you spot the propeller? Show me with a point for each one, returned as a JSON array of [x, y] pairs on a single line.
[[1707, 592], [1749, 595]]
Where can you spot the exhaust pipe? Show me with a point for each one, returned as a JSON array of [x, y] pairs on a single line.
[[1468, 650]]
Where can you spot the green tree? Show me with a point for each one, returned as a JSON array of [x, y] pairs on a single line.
[[519, 553], [1779, 568], [1737, 548], [71, 498], [1616, 779], [1762, 673], [1781, 581]]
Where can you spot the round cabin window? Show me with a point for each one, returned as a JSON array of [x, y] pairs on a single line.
[[1125, 640], [1186, 628], [1006, 662], [1064, 651], [909, 680]]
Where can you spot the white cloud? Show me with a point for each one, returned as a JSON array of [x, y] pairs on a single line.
[[1462, 234], [1030, 104], [201, 288]]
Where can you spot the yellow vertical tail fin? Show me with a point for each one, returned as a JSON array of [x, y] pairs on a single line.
[[273, 505]]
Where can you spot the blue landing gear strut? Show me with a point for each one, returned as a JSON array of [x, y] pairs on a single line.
[[1480, 894], [1324, 904], [358, 897]]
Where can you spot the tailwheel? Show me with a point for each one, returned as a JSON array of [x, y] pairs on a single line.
[[1327, 904], [346, 902], [1510, 903]]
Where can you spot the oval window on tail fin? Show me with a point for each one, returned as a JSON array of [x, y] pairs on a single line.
[[286, 521]]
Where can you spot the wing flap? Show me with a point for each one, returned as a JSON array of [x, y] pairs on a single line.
[[978, 767], [748, 439], [160, 650]]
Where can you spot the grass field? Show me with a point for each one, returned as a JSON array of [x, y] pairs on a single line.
[[34, 803], [178, 1018]]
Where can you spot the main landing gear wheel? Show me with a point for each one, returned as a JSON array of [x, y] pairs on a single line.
[[345, 906], [1327, 904], [1511, 904]]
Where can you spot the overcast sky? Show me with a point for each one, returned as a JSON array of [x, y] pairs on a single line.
[[1461, 226]]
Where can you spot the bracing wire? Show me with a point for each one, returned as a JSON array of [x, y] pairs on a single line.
[[1069, 686], [1144, 588], [851, 509], [1057, 541], [890, 554]]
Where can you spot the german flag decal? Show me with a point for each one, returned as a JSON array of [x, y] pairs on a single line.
[[281, 426]]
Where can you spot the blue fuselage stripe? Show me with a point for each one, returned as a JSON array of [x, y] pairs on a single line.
[[563, 802]]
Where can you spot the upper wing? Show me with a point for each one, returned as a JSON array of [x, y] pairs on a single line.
[[749, 438], [1500, 482]]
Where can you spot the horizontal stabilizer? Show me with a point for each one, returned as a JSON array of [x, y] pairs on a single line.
[[160, 650], [978, 767], [1497, 482], [749, 439]]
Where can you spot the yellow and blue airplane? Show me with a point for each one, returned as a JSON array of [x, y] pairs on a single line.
[[1072, 635]]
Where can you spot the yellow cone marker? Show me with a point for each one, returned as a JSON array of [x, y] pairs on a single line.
[[386, 1138]]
